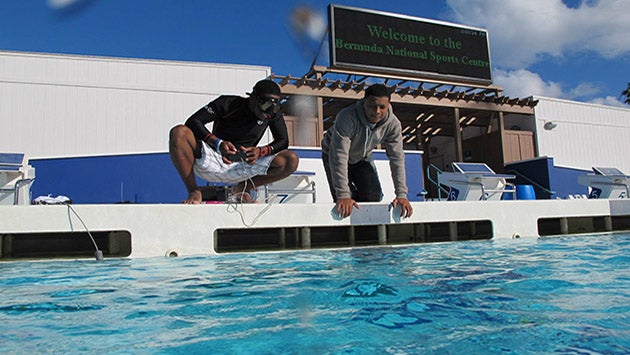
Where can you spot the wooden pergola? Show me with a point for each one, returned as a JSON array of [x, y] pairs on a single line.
[[427, 109]]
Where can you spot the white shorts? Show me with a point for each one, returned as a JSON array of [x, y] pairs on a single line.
[[211, 167]]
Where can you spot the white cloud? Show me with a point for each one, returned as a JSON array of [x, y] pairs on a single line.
[[584, 90], [522, 32], [523, 83], [609, 101]]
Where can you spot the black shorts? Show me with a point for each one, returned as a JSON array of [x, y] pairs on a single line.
[[362, 180]]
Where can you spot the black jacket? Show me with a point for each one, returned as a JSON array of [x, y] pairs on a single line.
[[236, 123]]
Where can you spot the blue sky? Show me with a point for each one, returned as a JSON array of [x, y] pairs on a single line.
[[572, 49]]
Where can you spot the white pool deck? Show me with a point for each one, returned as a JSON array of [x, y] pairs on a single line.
[[179, 230]]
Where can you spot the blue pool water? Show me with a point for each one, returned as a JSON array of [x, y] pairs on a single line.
[[566, 295]]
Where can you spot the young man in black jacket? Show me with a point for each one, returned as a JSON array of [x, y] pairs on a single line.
[[229, 154]]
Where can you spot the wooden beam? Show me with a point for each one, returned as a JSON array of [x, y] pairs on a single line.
[[459, 151]]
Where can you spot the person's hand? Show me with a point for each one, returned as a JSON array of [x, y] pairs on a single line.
[[405, 207], [344, 206], [227, 148], [253, 153]]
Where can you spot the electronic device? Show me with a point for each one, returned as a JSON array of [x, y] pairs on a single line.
[[239, 156]]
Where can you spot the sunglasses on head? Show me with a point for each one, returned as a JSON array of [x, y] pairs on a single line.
[[269, 105]]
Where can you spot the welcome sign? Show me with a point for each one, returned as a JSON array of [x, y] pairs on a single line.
[[381, 41]]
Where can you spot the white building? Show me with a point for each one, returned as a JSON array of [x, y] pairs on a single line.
[[582, 135], [68, 106], [54, 105]]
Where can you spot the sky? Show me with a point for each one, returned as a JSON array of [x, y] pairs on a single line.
[[572, 49]]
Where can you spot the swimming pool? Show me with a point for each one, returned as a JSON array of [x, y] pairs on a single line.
[[561, 294]]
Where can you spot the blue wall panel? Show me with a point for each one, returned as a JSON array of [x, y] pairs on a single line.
[[136, 178], [415, 176], [545, 177], [535, 172], [413, 171], [565, 182], [147, 178]]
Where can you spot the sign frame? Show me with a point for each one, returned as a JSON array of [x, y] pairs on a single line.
[[440, 62]]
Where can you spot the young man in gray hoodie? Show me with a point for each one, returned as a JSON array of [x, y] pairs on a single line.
[[347, 153]]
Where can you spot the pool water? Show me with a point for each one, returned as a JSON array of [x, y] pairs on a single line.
[[567, 295]]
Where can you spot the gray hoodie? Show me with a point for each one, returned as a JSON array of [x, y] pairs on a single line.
[[351, 139]]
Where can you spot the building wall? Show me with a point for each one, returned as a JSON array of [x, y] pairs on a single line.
[[69, 107], [151, 177], [585, 135], [55, 105], [96, 129]]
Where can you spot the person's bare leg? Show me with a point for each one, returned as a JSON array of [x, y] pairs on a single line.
[[182, 145], [283, 165]]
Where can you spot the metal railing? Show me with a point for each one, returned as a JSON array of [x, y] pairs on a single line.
[[436, 182], [531, 182]]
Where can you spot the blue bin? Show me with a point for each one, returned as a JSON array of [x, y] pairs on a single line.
[[525, 192], [509, 193]]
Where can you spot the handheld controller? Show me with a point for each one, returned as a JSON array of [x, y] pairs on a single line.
[[237, 157]]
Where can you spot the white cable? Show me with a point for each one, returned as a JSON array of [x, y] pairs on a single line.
[[241, 212], [233, 206]]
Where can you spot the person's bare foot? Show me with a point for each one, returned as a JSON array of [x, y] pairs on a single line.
[[240, 197], [194, 198], [238, 188], [238, 194]]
